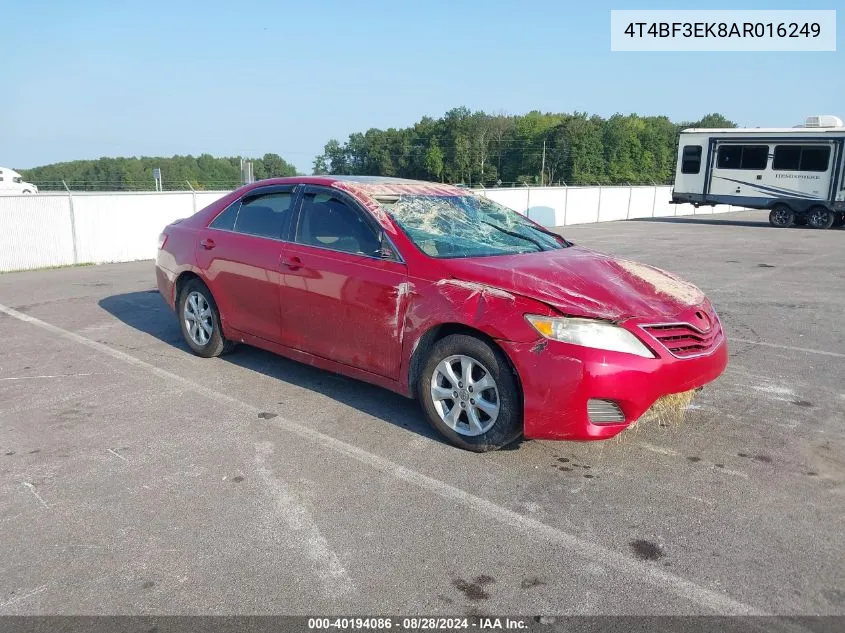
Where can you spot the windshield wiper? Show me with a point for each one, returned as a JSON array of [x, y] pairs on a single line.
[[514, 234], [557, 236]]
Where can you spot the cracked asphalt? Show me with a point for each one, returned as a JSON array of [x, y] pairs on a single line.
[[136, 478]]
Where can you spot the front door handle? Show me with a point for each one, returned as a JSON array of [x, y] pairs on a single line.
[[207, 243], [293, 263]]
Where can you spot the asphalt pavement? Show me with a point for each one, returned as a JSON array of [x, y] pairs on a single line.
[[136, 478]]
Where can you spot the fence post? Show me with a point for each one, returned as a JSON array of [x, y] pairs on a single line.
[[194, 194], [654, 201], [72, 223], [630, 194], [528, 201], [598, 210], [565, 201]]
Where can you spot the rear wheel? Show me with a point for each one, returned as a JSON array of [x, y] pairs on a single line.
[[820, 218], [781, 216], [470, 395], [200, 320]]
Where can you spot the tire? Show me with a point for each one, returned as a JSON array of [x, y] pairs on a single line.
[[781, 216], [496, 426], [26, 192], [819, 217], [195, 296]]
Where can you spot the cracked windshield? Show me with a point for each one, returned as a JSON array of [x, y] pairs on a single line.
[[467, 226]]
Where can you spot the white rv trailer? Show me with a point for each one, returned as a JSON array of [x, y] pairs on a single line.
[[11, 183], [796, 173]]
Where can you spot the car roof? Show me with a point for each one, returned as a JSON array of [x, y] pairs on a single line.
[[370, 185]]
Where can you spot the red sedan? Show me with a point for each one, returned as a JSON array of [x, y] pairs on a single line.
[[499, 327]]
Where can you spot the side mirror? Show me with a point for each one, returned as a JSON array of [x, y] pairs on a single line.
[[385, 250]]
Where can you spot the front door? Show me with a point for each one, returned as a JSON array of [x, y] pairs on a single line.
[[341, 299]]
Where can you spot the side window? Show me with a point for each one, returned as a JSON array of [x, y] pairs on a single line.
[[787, 157], [815, 158], [754, 156], [729, 156], [691, 159], [264, 216], [743, 156], [801, 157], [329, 222], [225, 220]]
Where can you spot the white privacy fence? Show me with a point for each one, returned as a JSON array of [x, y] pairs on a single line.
[[564, 206], [61, 229]]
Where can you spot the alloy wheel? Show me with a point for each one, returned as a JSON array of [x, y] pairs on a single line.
[[465, 395], [198, 318]]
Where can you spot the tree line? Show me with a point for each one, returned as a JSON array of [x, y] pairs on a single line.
[[136, 174], [460, 147], [535, 148]]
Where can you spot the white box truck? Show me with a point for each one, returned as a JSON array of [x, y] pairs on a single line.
[[11, 183], [797, 173]]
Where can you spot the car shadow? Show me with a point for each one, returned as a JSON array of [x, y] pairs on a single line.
[[147, 312]]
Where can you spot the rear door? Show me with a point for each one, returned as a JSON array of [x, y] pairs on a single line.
[[341, 299], [240, 252]]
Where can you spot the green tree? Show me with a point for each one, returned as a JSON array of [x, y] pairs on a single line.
[[713, 120], [434, 160]]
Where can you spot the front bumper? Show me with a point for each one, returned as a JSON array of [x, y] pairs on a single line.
[[558, 379]]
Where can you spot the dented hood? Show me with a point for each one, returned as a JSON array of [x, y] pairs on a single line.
[[581, 282]]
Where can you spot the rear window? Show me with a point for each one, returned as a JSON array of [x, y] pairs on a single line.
[[226, 220], [264, 216], [691, 159]]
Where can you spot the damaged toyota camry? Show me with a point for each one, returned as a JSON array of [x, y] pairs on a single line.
[[501, 328]]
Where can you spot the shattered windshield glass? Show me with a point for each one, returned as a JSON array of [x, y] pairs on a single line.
[[466, 226]]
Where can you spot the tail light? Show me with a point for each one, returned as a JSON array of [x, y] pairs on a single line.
[[162, 240]]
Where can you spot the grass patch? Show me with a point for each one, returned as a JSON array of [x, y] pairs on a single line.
[[670, 410]]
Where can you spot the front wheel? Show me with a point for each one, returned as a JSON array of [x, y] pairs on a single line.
[[820, 218], [781, 216], [200, 320], [470, 394]]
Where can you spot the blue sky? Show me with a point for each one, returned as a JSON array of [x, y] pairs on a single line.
[[103, 78]]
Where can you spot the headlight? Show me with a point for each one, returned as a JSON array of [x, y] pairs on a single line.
[[589, 333]]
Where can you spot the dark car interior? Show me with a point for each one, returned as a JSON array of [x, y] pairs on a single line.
[[333, 224]]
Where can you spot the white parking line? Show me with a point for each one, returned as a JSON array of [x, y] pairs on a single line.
[[45, 376], [791, 348], [588, 549]]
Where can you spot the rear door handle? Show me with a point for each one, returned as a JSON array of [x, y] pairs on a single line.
[[207, 243], [293, 263]]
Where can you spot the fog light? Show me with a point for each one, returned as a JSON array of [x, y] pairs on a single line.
[[604, 411]]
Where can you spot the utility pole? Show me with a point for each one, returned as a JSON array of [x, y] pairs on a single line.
[[543, 166]]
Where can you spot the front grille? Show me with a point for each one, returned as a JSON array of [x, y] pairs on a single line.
[[604, 411], [684, 340]]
